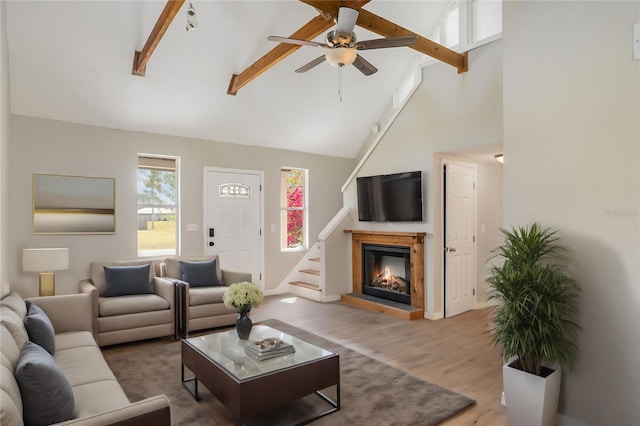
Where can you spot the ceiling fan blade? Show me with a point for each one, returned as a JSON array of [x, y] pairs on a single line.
[[347, 18], [295, 41], [381, 43], [364, 66], [311, 64]]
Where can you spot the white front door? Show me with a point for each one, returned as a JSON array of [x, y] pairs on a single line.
[[233, 220], [459, 241]]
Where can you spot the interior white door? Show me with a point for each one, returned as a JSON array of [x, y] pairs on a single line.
[[459, 249], [233, 219]]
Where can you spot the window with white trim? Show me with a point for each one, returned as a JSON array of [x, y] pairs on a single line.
[[485, 17], [158, 208], [293, 209], [468, 23]]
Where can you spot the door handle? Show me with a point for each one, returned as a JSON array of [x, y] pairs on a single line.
[[450, 249]]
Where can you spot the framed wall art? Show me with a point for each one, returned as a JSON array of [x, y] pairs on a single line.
[[73, 205]]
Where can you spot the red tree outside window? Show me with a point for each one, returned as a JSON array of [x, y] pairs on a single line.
[[295, 199]]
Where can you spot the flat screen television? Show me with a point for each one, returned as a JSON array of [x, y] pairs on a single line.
[[390, 198]]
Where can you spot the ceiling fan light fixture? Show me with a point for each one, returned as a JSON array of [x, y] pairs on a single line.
[[340, 56]]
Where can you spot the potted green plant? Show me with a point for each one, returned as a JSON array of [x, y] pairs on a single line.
[[534, 324]]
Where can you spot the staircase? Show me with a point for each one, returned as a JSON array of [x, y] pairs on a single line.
[[309, 277], [306, 281]]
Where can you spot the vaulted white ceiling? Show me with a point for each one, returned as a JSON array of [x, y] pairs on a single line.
[[72, 61]]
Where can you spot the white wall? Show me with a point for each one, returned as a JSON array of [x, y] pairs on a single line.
[[572, 162], [47, 146], [4, 146], [490, 216], [449, 111]]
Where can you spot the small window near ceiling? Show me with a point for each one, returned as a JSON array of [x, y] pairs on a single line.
[[158, 209], [486, 19], [447, 32], [451, 30], [293, 209]]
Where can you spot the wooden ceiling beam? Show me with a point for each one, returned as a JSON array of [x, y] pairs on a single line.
[[321, 23], [309, 31], [140, 58], [386, 28]]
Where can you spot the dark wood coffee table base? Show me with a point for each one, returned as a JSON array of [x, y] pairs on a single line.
[[257, 395]]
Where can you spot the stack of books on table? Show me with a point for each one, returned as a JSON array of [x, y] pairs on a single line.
[[268, 348]]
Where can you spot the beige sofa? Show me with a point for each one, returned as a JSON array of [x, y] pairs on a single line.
[[202, 307], [98, 397], [131, 317]]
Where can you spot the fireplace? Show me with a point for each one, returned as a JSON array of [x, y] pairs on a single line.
[[402, 253], [386, 272]]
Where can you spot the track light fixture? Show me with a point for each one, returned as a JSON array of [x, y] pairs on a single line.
[[192, 21]]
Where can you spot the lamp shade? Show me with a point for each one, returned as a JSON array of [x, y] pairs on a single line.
[[45, 259]]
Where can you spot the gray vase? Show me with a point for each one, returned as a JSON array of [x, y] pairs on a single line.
[[243, 325]]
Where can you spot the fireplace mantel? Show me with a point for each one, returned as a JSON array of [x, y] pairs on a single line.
[[413, 240]]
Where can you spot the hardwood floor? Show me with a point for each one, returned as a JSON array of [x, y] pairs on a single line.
[[454, 353]]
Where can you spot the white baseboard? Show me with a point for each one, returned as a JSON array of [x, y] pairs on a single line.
[[433, 315]]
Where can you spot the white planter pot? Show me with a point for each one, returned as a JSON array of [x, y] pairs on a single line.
[[531, 400]]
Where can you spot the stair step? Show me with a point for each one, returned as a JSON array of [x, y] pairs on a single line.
[[310, 271], [314, 259], [306, 285]]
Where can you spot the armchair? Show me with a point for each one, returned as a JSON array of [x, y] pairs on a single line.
[[200, 304], [129, 302]]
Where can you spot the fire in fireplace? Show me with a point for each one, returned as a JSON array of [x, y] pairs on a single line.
[[386, 272]]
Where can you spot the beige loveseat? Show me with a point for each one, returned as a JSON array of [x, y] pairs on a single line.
[[130, 317], [97, 395], [202, 307]]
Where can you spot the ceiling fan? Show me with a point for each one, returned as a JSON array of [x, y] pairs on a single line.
[[341, 46]]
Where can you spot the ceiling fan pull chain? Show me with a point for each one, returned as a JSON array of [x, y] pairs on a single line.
[[340, 83]]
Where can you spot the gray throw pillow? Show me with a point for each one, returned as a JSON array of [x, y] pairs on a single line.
[[39, 328], [47, 396], [127, 280], [199, 274]]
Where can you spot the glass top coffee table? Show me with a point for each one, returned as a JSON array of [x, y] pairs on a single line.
[[247, 386]]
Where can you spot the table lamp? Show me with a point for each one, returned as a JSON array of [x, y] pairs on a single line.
[[45, 260]]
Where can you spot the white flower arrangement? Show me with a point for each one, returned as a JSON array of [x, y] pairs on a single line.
[[242, 296]]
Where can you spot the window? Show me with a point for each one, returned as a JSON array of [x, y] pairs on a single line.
[[293, 209], [158, 210], [486, 19], [447, 32], [468, 23]]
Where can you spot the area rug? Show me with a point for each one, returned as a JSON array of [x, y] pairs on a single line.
[[372, 393]]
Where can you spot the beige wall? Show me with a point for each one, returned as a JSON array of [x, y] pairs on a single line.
[[47, 146], [448, 112], [572, 162], [4, 146]]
